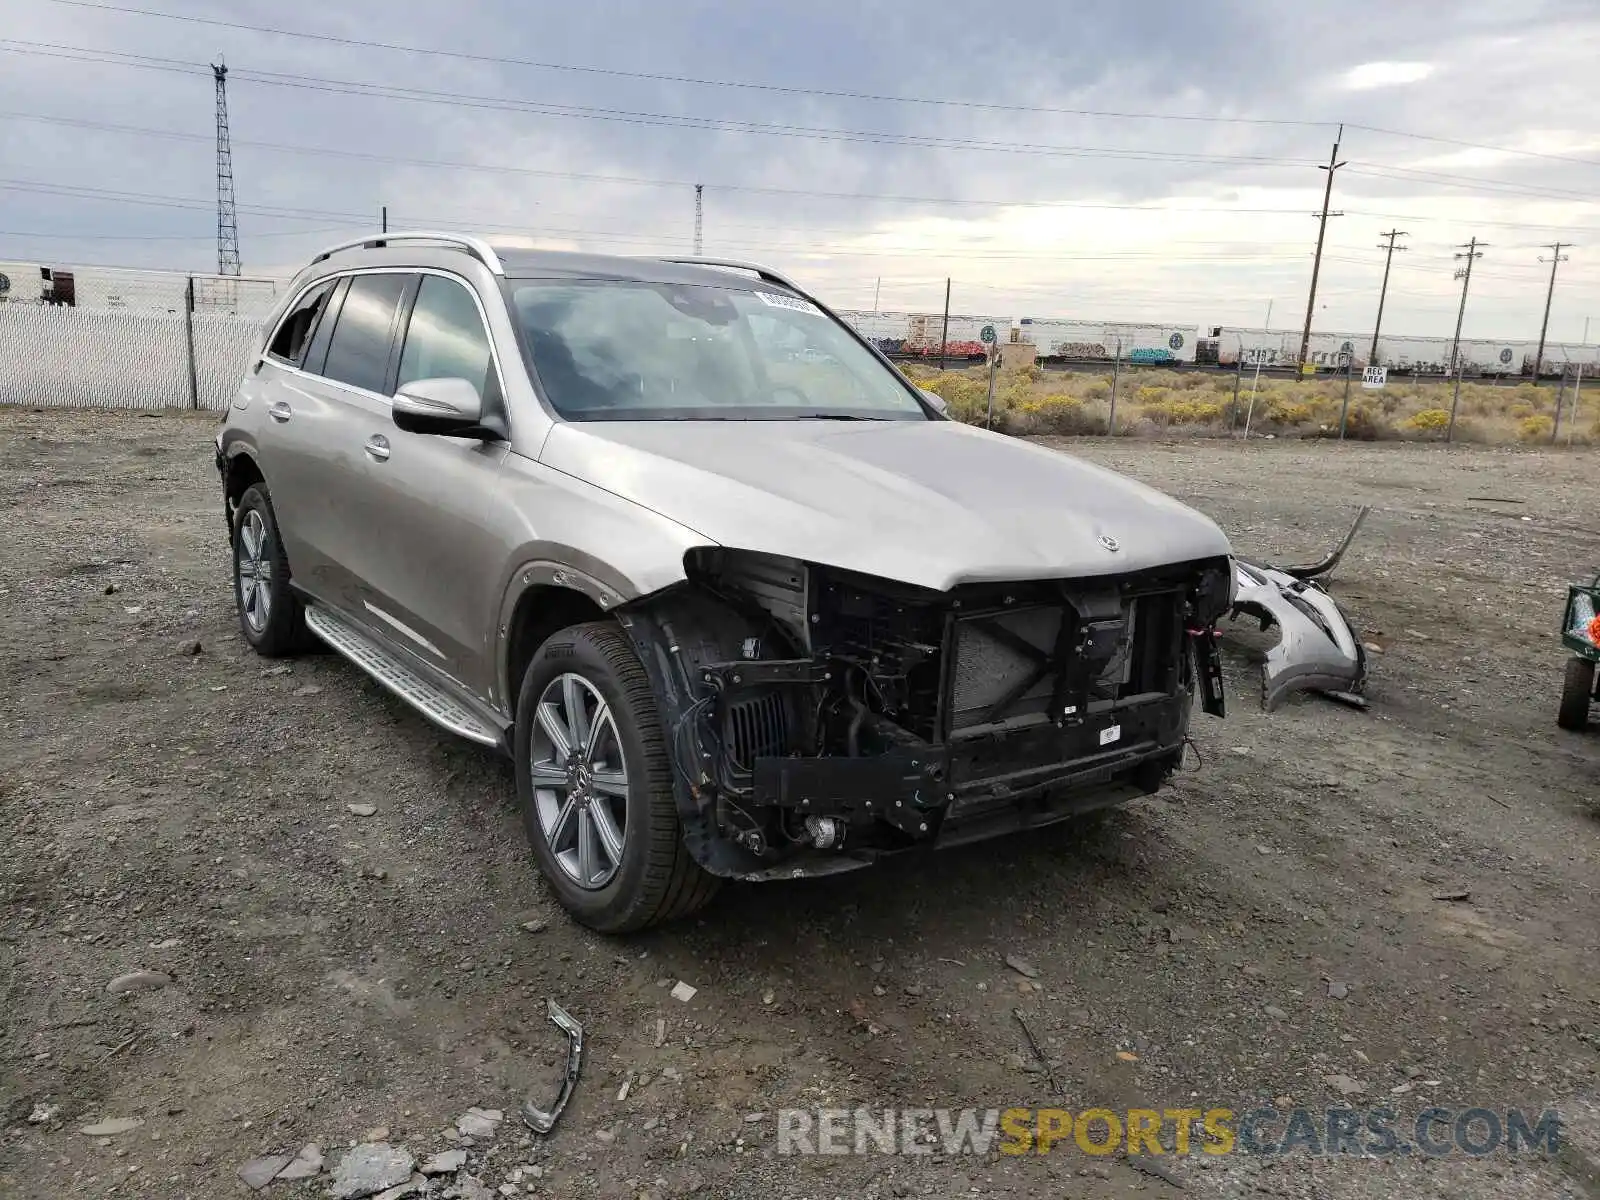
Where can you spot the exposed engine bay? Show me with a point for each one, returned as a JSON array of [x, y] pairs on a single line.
[[1317, 649], [818, 719]]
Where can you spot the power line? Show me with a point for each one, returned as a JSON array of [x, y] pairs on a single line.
[[749, 189], [491, 226], [830, 93], [1404, 174], [655, 77], [639, 117], [1424, 137]]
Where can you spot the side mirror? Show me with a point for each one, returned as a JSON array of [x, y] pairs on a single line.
[[445, 406], [940, 404]]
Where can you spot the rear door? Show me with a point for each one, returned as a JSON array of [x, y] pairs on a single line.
[[341, 396], [434, 564], [276, 386]]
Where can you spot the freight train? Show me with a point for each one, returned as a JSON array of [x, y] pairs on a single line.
[[1059, 342]]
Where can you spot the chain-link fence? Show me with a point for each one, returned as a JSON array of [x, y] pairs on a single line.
[[101, 337]]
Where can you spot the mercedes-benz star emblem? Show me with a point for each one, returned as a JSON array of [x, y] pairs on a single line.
[[1110, 543]]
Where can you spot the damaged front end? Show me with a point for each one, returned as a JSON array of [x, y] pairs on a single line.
[[818, 719], [1317, 650]]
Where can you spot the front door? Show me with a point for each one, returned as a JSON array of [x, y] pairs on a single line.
[[434, 562]]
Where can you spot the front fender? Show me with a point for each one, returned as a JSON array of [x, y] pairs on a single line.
[[571, 534]]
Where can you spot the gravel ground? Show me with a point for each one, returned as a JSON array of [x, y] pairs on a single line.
[[173, 804]]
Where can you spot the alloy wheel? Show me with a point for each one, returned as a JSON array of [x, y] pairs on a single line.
[[580, 781], [254, 563]]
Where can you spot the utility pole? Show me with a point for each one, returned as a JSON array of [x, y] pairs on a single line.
[[1322, 229], [944, 335], [699, 214], [1383, 292], [876, 288], [383, 218], [1256, 381], [1465, 275], [1556, 259], [227, 210]]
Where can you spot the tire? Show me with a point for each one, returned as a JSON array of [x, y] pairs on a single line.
[[271, 616], [1576, 691], [654, 878]]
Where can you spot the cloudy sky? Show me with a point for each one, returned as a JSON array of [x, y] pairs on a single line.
[[1141, 160]]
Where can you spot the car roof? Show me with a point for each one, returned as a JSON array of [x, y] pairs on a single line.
[[516, 262]]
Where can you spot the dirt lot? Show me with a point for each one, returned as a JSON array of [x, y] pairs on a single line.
[[187, 813]]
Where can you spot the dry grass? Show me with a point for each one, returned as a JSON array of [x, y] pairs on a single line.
[[1201, 403]]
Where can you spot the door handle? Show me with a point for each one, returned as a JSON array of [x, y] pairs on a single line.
[[280, 411], [378, 447]]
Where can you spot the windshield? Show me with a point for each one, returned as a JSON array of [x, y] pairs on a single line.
[[607, 350]]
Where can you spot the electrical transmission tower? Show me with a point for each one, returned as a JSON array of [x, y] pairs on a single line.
[[1555, 260], [1322, 230], [1473, 252], [227, 211], [699, 213], [1372, 359]]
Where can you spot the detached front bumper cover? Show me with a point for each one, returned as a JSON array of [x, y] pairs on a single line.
[[1317, 649]]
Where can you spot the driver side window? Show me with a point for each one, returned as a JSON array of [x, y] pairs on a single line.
[[446, 339]]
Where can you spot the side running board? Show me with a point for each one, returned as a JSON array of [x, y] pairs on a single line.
[[433, 702]]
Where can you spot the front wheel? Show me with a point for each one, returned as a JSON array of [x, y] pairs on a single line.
[[1576, 691], [594, 781]]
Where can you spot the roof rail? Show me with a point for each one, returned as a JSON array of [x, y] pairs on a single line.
[[477, 247], [734, 264]]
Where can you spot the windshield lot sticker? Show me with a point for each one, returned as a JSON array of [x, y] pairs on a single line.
[[773, 300]]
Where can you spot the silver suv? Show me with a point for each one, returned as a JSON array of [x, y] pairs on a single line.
[[736, 597]]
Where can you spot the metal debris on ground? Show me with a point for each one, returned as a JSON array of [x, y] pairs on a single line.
[[1153, 1168], [542, 1120], [1038, 1052]]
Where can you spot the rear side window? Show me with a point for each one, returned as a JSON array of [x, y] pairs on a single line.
[[289, 343], [446, 338], [358, 355]]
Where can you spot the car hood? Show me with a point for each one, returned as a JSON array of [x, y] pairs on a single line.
[[931, 503]]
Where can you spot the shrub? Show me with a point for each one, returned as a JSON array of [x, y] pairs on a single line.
[[1171, 411], [1535, 429], [1282, 412], [1057, 413], [1364, 423], [1429, 419], [1521, 410]]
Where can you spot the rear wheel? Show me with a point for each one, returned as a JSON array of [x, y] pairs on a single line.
[[270, 614], [594, 780], [1576, 692]]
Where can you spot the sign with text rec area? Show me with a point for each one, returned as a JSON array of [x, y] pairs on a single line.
[[1374, 377]]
